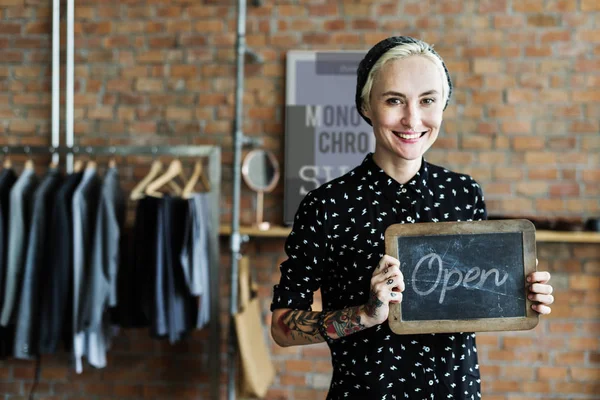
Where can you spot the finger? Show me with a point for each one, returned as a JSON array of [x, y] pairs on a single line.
[[387, 271], [395, 297], [540, 277], [542, 309], [536, 262], [545, 299], [397, 280], [388, 261], [541, 288]]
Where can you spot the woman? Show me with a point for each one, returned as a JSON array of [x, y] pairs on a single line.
[[337, 242]]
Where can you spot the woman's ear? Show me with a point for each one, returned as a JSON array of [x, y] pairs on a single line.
[[366, 112]]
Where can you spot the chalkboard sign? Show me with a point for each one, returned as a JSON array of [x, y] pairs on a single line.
[[463, 276]]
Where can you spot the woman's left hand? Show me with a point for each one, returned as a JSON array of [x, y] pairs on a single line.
[[540, 291]]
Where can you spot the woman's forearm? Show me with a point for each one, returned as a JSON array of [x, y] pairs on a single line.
[[298, 327]]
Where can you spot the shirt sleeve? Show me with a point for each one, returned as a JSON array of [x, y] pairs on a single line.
[[479, 208], [306, 249]]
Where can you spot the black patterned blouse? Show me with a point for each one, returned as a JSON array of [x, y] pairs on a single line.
[[336, 242]]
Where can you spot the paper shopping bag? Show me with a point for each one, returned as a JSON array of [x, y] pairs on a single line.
[[256, 367]]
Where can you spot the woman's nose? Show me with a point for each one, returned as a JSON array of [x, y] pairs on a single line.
[[410, 117]]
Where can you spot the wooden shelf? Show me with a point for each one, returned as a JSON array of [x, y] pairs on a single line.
[[571, 237], [274, 231], [541, 235]]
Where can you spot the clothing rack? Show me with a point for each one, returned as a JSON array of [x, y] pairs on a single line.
[[213, 153]]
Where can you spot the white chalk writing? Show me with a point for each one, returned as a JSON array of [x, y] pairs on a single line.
[[445, 276]]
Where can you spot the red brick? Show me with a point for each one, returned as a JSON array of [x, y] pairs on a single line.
[[583, 343], [543, 20], [585, 374], [536, 387], [528, 6], [295, 380], [552, 373], [503, 386], [298, 366], [328, 9], [489, 6], [590, 5], [532, 188], [516, 127], [586, 96], [527, 143]]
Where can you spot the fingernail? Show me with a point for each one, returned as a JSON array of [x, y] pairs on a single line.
[[530, 296], [528, 279]]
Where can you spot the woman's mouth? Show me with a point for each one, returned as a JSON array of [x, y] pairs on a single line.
[[409, 135]]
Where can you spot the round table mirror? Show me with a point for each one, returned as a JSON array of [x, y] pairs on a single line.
[[260, 171]]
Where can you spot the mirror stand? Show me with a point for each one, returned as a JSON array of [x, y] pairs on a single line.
[[260, 170], [260, 224]]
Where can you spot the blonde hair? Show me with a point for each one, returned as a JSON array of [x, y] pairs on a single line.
[[398, 53]]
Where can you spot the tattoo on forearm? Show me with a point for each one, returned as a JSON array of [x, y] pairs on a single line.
[[300, 324], [343, 323], [305, 324], [373, 305]]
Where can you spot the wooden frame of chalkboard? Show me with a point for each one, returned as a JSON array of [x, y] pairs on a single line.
[[463, 276]]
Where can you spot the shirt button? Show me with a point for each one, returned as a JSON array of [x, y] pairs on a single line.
[[403, 190], [430, 383], [409, 219]]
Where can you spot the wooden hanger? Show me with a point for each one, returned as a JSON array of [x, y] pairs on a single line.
[[7, 162], [138, 191], [155, 169], [77, 166], [112, 163], [196, 175], [91, 164], [29, 164], [175, 170]]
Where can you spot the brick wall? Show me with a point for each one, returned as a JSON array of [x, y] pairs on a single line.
[[524, 121]]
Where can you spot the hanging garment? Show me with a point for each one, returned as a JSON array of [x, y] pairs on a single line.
[[85, 207], [181, 304], [102, 281], [195, 257], [57, 307], [160, 321], [21, 198], [135, 282], [37, 261], [7, 180]]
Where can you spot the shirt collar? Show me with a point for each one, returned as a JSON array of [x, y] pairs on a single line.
[[417, 185]]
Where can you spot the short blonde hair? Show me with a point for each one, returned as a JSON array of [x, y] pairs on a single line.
[[419, 48]]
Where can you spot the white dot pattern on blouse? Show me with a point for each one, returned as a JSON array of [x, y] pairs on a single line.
[[336, 242]]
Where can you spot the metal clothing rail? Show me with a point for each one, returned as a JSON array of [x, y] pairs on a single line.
[[213, 153]]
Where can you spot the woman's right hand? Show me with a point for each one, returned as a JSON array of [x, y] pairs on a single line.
[[387, 285]]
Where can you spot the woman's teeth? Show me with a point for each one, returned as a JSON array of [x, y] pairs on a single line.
[[408, 136]]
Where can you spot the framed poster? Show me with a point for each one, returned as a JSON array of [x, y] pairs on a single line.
[[325, 136]]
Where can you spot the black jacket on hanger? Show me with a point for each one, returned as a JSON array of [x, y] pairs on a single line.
[[57, 308], [136, 278], [36, 262], [7, 180], [181, 305]]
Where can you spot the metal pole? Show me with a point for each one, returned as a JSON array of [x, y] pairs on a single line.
[[235, 212], [70, 79], [55, 77]]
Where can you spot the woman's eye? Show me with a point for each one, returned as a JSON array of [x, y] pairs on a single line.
[[428, 100], [394, 101]]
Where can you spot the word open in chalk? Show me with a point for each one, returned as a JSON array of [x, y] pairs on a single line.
[[451, 278]]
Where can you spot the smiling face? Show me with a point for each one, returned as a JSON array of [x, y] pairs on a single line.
[[405, 106]]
